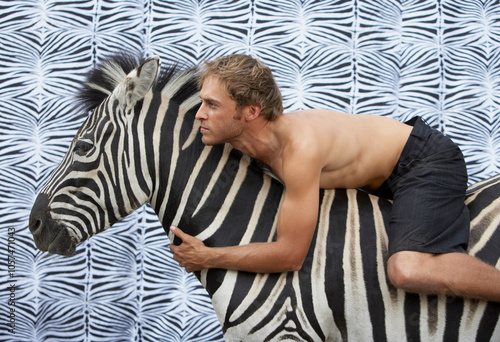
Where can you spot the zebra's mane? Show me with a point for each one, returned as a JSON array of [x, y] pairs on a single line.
[[174, 80]]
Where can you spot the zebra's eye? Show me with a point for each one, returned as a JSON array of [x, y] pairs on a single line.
[[83, 147]]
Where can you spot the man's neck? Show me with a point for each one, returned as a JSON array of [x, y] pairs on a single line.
[[260, 140]]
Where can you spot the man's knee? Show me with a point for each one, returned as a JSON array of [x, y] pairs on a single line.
[[406, 269]]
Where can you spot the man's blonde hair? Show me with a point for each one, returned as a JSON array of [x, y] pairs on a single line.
[[247, 81]]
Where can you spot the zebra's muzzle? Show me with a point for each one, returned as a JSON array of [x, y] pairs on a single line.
[[49, 235]]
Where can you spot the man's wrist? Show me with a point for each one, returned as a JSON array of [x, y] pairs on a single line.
[[212, 255]]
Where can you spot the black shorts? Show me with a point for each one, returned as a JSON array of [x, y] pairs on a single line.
[[428, 187]]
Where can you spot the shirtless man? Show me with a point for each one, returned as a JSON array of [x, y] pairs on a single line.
[[313, 149]]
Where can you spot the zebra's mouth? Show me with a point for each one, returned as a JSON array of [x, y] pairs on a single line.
[[63, 243], [50, 235], [54, 238]]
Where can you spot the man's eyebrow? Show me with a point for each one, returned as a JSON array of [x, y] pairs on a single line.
[[209, 99]]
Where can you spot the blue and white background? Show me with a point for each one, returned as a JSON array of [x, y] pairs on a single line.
[[439, 59]]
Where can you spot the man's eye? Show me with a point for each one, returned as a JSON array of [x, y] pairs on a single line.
[[82, 147]]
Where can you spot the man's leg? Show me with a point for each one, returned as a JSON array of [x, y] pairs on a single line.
[[455, 274]]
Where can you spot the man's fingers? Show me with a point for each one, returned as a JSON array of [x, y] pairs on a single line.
[[185, 253], [177, 232]]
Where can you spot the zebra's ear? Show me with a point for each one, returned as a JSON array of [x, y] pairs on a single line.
[[138, 82]]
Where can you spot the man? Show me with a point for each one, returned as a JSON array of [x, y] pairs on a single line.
[[421, 169]]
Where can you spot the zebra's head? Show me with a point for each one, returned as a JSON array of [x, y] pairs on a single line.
[[97, 182]]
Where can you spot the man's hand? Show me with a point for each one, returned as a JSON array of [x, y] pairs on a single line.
[[190, 254]]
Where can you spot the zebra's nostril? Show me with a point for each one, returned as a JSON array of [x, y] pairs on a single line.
[[35, 225], [38, 212], [38, 221], [36, 228]]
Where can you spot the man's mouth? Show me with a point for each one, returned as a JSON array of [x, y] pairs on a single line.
[[203, 129]]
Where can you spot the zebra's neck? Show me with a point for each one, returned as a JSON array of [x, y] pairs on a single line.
[[175, 151]]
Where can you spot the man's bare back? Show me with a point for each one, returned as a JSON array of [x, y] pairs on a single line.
[[357, 151]]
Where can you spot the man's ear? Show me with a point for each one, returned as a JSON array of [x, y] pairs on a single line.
[[252, 112]]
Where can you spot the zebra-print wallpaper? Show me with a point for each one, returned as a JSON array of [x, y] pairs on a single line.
[[439, 59]]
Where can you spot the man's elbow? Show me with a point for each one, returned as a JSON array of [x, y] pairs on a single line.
[[295, 264], [290, 259]]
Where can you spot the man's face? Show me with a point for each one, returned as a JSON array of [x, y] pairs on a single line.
[[220, 119]]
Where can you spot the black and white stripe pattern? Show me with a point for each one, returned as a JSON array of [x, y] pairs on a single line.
[[435, 58], [224, 198]]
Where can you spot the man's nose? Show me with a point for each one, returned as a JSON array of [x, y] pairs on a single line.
[[200, 114]]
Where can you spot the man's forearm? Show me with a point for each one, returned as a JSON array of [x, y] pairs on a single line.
[[265, 257], [256, 257]]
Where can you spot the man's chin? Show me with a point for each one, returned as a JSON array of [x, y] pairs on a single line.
[[207, 142]]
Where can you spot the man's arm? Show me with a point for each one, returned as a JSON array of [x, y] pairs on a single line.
[[297, 219]]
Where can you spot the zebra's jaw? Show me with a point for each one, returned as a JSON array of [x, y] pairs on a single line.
[[50, 235]]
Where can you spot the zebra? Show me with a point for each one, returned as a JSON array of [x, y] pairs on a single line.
[[141, 143]]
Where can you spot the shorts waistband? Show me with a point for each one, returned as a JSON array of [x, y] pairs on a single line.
[[420, 128], [420, 131]]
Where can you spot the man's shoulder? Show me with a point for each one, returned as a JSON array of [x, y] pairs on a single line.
[[301, 159]]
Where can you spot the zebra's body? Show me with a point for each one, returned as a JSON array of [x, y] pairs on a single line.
[[225, 198]]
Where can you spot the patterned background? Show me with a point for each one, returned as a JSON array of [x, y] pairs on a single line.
[[436, 58]]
